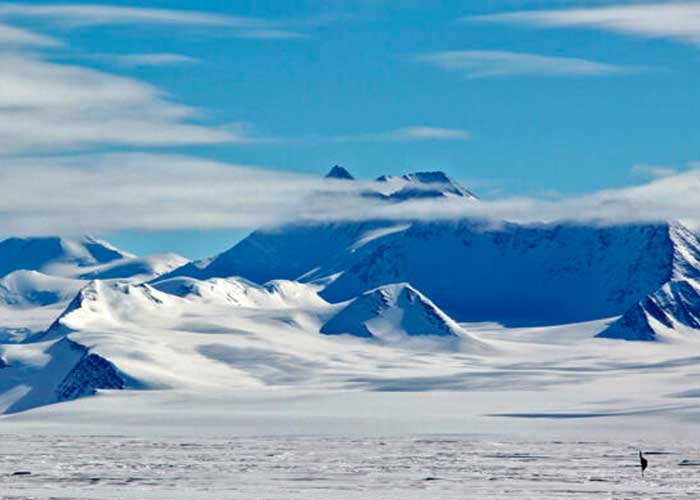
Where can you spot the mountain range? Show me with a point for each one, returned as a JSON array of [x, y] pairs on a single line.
[[311, 303]]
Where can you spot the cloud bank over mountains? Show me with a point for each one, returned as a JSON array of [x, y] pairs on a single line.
[[102, 193]]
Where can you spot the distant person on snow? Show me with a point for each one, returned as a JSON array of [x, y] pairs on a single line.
[[643, 462]]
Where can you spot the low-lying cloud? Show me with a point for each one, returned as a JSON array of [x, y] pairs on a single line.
[[104, 193]]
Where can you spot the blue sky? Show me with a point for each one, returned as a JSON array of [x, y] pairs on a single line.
[[519, 103]]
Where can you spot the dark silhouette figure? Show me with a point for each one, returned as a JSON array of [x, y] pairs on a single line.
[[643, 462]]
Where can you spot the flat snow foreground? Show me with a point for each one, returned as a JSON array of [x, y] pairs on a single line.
[[390, 467]]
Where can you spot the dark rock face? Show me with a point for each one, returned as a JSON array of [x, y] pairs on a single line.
[[338, 172], [91, 373]]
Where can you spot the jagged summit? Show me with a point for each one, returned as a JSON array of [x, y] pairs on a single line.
[[440, 184], [338, 172], [421, 185]]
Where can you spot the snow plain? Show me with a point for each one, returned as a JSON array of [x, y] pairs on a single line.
[[305, 468]]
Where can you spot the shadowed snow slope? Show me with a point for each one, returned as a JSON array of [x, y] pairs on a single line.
[[391, 311], [674, 306], [136, 268], [513, 274], [82, 258], [286, 253], [24, 289], [41, 254]]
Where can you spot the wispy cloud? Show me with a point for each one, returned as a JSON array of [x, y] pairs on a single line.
[[79, 15], [46, 106], [489, 63], [153, 59], [11, 36], [102, 193], [672, 20], [653, 171], [405, 134], [428, 134]]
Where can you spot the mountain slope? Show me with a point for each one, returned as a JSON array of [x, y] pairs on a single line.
[[673, 307], [305, 247], [136, 268], [421, 185], [41, 254], [278, 294], [474, 271], [25, 289], [51, 372], [285, 253], [390, 313]]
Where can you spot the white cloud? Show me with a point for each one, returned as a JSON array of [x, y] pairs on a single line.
[[11, 36], [405, 134], [489, 63], [151, 59], [102, 193], [428, 133], [98, 193], [77, 15], [672, 20], [653, 171], [47, 106]]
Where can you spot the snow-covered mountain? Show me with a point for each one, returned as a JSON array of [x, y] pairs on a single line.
[[47, 253], [136, 268], [42, 373], [81, 258], [389, 312], [474, 271], [26, 289], [42, 275], [421, 185], [675, 305], [379, 304], [277, 294]]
